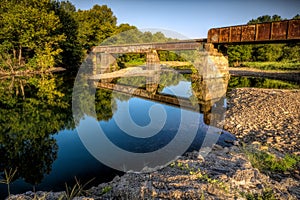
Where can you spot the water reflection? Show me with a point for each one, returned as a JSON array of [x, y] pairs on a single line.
[[37, 130], [260, 82], [147, 83], [31, 110], [199, 95]]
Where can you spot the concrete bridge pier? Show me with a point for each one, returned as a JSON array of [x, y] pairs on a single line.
[[152, 60], [102, 62], [210, 84], [211, 63], [152, 63]]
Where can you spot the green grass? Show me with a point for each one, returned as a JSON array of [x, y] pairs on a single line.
[[136, 62], [272, 65], [106, 189], [200, 176], [267, 194], [268, 162], [182, 67]]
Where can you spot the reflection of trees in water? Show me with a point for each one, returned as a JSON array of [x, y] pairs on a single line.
[[169, 79], [31, 110], [105, 104], [240, 81]]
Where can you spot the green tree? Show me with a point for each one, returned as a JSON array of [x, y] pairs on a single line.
[[296, 16], [265, 18], [291, 52], [29, 35], [239, 53], [95, 25], [270, 52], [72, 54]]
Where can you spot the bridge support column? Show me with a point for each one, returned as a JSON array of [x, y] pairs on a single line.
[[152, 60], [152, 63], [211, 83], [211, 63], [102, 62]]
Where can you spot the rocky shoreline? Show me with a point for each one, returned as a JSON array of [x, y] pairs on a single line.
[[260, 118], [269, 116]]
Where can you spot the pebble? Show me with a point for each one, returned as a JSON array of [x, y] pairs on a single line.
[[265, 115]]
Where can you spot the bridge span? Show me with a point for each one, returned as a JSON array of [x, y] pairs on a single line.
[[210, 64]]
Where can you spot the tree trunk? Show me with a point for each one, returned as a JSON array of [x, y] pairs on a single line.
[[20, 55]]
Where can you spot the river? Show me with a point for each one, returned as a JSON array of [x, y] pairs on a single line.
[[49, 143]]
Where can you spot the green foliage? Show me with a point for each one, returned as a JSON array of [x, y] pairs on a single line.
[[297, 17], [170, 56], [37, 35], [105, 105], [270, 52], [267, 194], [72, 53], [132, 59], [239, 53], [32, 109], [287, 53], [106, 189], [265, 18], [291, 52], [273, 65], [29, 34], [127, 34], [95, 25], [268, 162]]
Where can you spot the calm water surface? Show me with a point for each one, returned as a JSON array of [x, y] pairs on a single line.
[[38, 136]]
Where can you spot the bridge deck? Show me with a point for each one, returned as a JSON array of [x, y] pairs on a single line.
[[146, 47], [281, 31]]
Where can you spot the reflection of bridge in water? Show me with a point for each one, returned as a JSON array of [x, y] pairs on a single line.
[[201, 90]]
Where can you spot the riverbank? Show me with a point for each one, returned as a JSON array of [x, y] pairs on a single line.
[[261, 118], [4, 74]]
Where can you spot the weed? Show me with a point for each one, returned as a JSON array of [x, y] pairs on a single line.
[[197, 173], [76, 190], [265, 161], [8, 177], [106, 189], [265, 195]]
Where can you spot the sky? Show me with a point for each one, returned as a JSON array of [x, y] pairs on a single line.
[[192, 18]]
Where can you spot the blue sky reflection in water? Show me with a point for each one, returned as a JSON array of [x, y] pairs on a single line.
[[74, 160]]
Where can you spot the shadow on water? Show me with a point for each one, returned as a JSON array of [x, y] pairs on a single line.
[[38, 134]]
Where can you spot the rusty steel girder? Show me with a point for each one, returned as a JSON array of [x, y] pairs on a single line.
[[280, 31]]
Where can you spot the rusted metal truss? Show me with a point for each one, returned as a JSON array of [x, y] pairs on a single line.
[[280, 31]]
